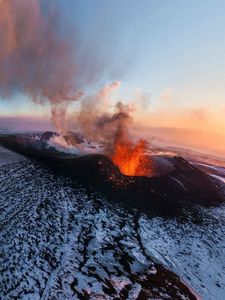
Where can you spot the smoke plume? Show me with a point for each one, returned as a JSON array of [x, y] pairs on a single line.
[[92, 109], [131, 158], [38, 56], [114, 126]]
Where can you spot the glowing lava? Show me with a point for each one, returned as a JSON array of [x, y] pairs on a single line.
[[132, 159]]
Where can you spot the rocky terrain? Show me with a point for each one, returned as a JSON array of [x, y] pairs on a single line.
[[60, 240]]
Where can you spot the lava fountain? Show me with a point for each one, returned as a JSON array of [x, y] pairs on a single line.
[[132, 159]]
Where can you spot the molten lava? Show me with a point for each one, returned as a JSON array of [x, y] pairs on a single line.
[[132, 159]]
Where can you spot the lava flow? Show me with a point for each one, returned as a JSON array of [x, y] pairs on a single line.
[[131, 158]]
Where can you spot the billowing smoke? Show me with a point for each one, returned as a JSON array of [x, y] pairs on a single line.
[[39, 56], [112, 130], [131, 158], [114, 126], [92, 109], [102, 121]]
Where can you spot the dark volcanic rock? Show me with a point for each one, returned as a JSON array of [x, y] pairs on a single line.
[[62, 241], [47, 135], [182, 184]]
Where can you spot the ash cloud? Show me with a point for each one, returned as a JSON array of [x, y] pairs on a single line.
[[102, 121], [92, 109], [114, 126], [41, 57]]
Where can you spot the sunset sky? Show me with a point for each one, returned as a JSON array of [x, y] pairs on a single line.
[[168, 55]]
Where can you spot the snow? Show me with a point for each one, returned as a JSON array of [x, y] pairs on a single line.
[[60, 240], [59, 143]]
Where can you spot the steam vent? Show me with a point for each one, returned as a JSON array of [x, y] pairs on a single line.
[[174, 180]]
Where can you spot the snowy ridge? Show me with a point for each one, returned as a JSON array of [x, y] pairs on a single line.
[[62, 241]]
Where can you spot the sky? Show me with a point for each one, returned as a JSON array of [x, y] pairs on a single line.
[[168, 55]]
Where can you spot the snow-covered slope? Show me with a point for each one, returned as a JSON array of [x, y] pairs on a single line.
[[59, 240]]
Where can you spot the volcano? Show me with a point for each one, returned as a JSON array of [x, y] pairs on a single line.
[[175, 180]]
